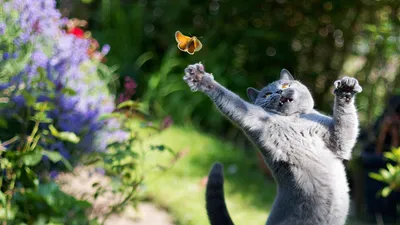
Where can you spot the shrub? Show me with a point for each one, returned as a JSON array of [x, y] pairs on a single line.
[[391, 174], [75, 75], [56, 105], [53, 90]]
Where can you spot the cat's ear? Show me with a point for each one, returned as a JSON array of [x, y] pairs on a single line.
[[252, 93], [285, 75]]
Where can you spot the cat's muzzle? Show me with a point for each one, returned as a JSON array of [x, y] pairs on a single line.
[[284, 100]]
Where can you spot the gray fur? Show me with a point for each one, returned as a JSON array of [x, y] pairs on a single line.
[[303, 148]]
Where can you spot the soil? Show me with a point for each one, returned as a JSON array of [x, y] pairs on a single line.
[[79, 184]]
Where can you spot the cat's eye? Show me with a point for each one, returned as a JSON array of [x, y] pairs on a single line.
[[285, 85], [267, 95]]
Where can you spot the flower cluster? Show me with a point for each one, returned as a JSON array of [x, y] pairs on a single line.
[[128, 91], [70, 59], [76, 28]]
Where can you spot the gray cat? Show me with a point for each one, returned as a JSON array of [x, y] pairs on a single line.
[[303, 148]]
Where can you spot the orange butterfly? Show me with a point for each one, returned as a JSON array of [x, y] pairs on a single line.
[[187, 44]]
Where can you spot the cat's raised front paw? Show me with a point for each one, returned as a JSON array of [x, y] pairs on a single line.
[[347, 85], [196, 76]]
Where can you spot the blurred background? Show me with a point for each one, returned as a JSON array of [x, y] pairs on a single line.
[[167, 137]]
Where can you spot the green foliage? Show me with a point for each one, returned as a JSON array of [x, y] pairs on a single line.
[[182, 188], [48, 205], [318, 41], [24, 198], [16, 62], [391, 174], [123, 161]]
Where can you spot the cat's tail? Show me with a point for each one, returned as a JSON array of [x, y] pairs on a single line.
[[215, 200]]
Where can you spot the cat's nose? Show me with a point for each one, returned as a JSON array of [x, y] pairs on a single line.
[[279, 92]]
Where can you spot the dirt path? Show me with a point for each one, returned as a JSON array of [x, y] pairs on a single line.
[[80, 186]]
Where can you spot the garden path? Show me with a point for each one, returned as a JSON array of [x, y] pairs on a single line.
[[79, 184]]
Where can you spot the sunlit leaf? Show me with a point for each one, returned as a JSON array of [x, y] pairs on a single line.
[[32, 158], [65, 136], [391, 168], [53, 156], [376, 176], [128, 103], [386, 191]]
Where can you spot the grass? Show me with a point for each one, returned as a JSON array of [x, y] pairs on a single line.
[[249, 195]]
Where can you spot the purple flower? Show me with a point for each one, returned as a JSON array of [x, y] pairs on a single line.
[[63, 56], [18, 100], [53, 174], [100, 171], [105, 49], [4, 86], [2, 28], [6, 55]]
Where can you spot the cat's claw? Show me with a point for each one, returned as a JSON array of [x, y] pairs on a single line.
[[347, 85], [194, 75]]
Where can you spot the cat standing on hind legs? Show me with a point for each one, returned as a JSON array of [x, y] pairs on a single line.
[[303, 148]]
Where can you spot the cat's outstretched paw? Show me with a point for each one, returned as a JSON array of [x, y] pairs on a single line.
[[346, 88], [196, 77], [347, 85]]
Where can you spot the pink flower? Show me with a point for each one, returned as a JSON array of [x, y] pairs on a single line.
[[129, 89], [167, 122]]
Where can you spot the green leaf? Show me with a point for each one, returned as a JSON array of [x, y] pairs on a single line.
[[391, 168], [3, 123], [376, 176], [3, 199], [69, 136], [57, 157], [29, 99], [53, 131], [128, 103], [385, 174], [109, 116], [386, 191], [158, 147], [41, 117], [143, 58], [32, 158], [53, 156], [43, 106], [68, 91], [65, 136], [41, 71]]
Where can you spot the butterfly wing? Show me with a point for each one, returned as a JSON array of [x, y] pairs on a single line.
[[197, 44], [193, 46], [182, 40]]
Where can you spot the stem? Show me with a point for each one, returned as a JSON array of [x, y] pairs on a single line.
[[35, 141], [12, 140], [123, 201], [6, 211], [33, 133]]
